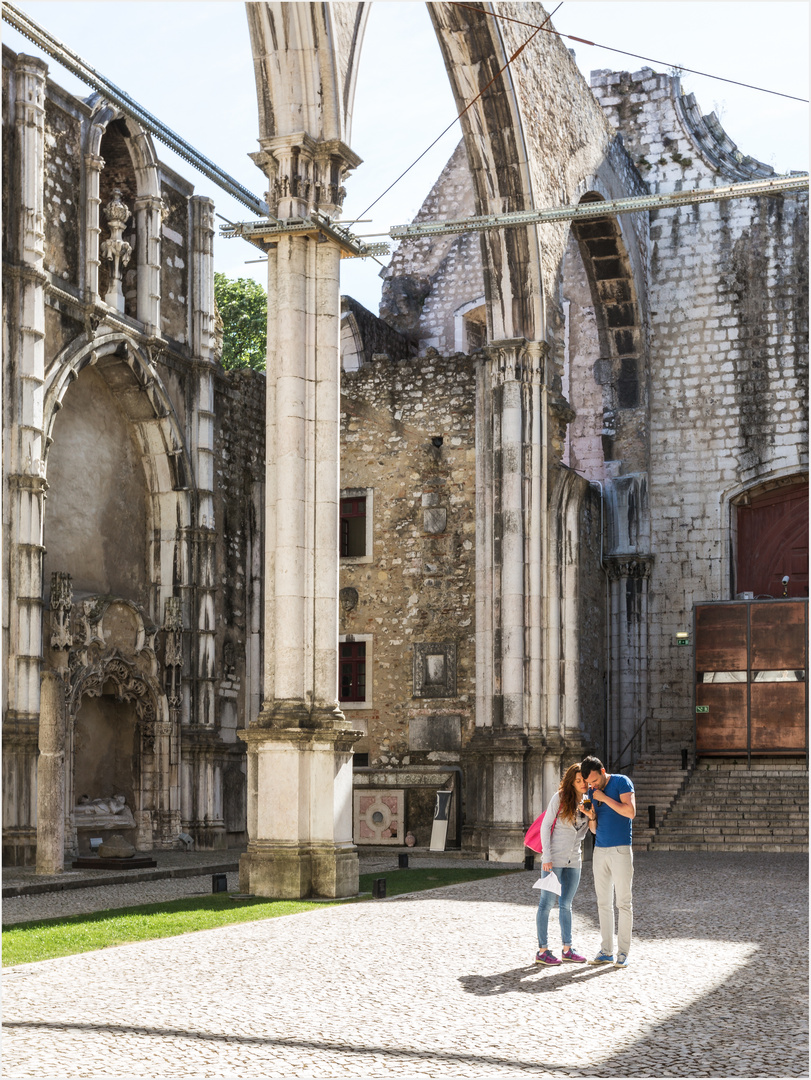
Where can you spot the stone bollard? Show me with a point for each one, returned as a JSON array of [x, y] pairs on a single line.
[[51, 775]]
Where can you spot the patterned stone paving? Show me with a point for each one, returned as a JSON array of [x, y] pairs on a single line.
[[442, 984]]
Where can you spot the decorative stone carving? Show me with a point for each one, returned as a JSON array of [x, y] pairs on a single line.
[[379, 817], [348, 598], [110, 813], [173, 654], [61, 607], [435, 669], [116, 250], [638, 568]]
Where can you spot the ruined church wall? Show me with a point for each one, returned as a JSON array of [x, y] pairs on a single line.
[[419, 586], [728, 355], [430, 278]]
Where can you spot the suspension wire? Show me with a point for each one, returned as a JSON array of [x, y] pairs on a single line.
[[623, 52], [459, 117]]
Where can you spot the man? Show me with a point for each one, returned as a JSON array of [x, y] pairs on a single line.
[[613, 863]]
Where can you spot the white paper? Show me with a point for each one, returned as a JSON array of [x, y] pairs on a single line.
[[550, 883]]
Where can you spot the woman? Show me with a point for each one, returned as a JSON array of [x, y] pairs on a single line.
[[561, 854]]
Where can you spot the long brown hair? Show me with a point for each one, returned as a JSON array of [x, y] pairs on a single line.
[[569, 795]]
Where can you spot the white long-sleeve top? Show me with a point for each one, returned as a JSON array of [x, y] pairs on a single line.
[[563, 846]]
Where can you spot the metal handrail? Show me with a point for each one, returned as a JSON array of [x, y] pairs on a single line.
[[629, 743]]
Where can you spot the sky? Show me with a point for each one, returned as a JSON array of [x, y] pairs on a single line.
[[189, 63]]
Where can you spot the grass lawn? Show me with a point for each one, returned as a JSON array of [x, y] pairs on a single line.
[[24, 943]]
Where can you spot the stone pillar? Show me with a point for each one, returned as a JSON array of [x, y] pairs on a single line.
[[506, 747], [93, 166], [23, 461], [149, 211], [51, 776], [300, 745], [629, 578]]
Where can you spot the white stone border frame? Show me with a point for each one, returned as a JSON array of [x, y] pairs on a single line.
[[148, 209], [369, 640], [460, 342], [369, 495]]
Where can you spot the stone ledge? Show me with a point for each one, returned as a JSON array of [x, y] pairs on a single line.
[[89, 879]]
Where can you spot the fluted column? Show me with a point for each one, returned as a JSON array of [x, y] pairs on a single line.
[[510, 466]]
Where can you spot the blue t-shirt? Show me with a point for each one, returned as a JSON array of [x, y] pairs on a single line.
[[613, 830]]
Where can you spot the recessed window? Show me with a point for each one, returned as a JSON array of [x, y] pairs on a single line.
[[352, 670], [353, 527]]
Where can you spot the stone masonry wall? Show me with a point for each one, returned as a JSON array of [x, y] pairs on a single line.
[[419, 586], [729, 316], [428, 279], [239, 455]]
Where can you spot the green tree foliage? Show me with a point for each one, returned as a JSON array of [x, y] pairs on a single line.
[[243, 308]]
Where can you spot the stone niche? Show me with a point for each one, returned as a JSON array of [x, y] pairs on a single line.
[[105, 764]]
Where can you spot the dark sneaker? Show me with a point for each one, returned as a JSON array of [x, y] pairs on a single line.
[[547, 958], [569, 956], [603, 958], [621, 961]]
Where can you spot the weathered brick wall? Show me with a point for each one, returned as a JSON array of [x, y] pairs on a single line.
[[420, 586], [728, 360]]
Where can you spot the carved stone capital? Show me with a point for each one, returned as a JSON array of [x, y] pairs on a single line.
[[305, 175], [637, 567], [516, 359]]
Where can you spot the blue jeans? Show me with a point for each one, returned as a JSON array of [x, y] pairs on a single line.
[[569, 878]]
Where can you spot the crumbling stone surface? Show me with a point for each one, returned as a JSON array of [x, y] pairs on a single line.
[[429, 279], [62, 185], [420, 586], [728, 360]]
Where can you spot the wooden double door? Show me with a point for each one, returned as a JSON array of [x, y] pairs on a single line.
[[751, 677]]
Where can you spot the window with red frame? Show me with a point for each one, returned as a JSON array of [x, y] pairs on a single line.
[[353, 527], [352, 669]]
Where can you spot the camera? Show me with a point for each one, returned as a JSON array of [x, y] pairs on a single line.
[[586, 804]]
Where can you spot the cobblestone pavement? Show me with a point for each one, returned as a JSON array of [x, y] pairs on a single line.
[[442, 984]]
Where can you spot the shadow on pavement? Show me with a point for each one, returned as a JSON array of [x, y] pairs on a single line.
[[508, 982]]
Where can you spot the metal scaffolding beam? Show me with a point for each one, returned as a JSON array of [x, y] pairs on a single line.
[[598, 209], [63, 55], [263, 234]]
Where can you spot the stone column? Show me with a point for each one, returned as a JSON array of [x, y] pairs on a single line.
[[300, 745], [23, 461], [629, 578], [149, 216], [51, 776], [93, 166], [509, 555]]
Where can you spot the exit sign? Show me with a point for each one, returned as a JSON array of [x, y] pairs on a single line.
[[682, 641], [702, 708]]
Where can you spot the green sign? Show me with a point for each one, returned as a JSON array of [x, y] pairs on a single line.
[[702, 708], [683, 641]]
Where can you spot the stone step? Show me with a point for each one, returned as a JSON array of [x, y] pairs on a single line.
[[727, 807], [707, 846]]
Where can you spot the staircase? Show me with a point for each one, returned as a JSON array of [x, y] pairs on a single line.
[[726, 807], [658, 780]]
